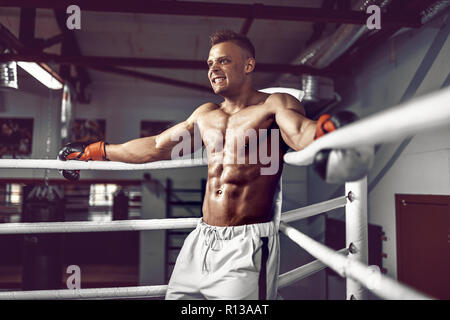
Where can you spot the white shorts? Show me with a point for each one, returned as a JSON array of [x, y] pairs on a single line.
[[239, 262], [229, 263]]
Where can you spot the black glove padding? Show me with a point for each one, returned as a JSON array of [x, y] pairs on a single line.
[[75, 150], [343, 165]]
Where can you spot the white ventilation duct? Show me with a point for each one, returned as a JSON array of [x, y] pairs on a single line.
[[325, 51]]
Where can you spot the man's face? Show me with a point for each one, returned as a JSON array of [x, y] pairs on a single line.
[[226, 64]]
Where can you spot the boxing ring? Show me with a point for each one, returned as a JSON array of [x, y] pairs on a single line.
[[390, 125]]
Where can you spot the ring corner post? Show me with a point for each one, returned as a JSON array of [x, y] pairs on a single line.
[[356, 233]]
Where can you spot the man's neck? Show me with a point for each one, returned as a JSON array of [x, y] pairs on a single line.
[[239, 101]]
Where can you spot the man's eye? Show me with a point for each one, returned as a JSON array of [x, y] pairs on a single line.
[[225, 61]]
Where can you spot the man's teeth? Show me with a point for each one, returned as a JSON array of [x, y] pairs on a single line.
[[219, 80]]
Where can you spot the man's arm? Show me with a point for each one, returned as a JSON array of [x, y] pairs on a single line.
[[141, 150], [156, 148], [296, 130], [147, 149], [333, 165]]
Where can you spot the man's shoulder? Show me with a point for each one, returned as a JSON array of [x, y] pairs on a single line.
[[203, 109], [280, 97], [284, 101]]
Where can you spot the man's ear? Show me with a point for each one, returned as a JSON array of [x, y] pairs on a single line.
[[250, 65]]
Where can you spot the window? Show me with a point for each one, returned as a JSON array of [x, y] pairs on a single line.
[[102, 194], [101, 198], [10, 202], [13, 194]]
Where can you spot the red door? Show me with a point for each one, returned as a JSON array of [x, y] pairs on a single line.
[[423, 243]]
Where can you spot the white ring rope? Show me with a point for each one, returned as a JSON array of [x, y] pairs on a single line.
[[96, 293], [379, 284], [297, 274], [97, 226], [415, 116], [99, 165], [298, 94], [150, 224], [284, 280], [386, 288], [315, 209]]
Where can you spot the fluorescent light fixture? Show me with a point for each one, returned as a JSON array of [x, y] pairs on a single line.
[[8, 75], [42, 73]]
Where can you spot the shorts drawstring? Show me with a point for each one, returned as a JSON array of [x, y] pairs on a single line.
[[211, 237]]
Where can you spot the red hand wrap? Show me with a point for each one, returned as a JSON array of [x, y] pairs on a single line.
[[94, 151], [324, 125]]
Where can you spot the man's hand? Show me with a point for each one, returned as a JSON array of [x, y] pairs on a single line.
[[80, 151], [328, 123], [341, 165]]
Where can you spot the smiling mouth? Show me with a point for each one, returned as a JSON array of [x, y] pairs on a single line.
[[218, 80]]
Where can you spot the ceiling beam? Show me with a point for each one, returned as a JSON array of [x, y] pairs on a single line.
[[97, 61], [46, 43], [154, 78], [216, 9], [319, 27], [11, 42], [70, 46], [246, 26], [27, 26]]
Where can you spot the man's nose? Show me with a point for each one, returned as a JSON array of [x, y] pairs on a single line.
[[214, 67]]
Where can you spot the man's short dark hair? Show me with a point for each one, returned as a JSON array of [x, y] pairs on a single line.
[[237, 38]]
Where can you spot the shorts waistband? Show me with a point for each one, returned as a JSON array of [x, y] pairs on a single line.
[[265, 229]]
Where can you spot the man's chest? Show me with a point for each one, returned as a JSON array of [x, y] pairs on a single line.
[[218, 128]]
